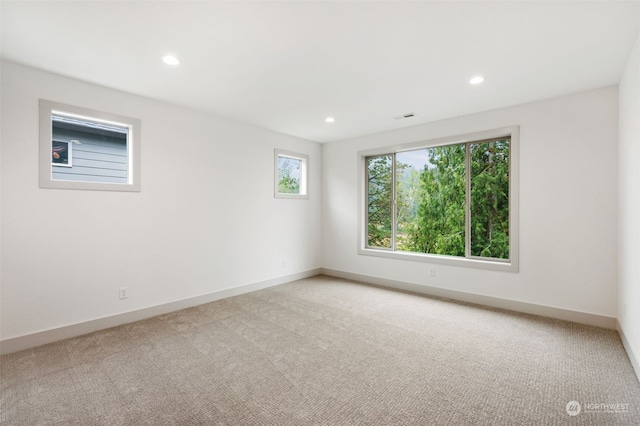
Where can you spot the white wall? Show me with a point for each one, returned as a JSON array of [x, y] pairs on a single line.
[[568, 206], [205, 220], [629, 207], [213, 224]]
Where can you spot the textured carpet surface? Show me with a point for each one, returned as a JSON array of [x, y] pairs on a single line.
[[326, 351]]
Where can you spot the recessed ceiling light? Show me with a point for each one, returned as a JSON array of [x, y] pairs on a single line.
[[170, 60], [329, 119], [476, 80]]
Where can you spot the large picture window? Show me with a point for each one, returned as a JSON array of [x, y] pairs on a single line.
[[444, 201], [87, 149]]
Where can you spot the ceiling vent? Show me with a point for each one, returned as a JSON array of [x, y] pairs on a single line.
[[403, 116]]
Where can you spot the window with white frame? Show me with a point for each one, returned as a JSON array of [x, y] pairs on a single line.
[[291, 174], [451, 200], [85, 149]]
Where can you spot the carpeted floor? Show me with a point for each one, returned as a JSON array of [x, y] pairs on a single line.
[[326, 351]]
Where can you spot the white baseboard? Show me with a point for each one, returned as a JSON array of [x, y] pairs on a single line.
[[627, 347], [495, 302], [53, 335]]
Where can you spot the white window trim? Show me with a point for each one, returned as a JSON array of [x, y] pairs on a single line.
[[304, 174], [47, 108], [514, 183]]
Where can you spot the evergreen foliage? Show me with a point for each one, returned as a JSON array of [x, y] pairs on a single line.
[[490, 199], [431, 203], [287, 182], [439, 223], [380, 201]]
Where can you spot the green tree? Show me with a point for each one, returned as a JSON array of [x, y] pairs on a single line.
[[287, 183], [439, 224], [379, 201], [490, 199], [431, 203], [408, 194]]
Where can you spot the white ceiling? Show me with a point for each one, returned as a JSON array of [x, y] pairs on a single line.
[[285, 66]]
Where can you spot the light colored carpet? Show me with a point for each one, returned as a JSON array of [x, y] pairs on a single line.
[[326, 351]]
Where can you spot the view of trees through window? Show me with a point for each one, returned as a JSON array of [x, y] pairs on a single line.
[[289, 175], [432, 208]]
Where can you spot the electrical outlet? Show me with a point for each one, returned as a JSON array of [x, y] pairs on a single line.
[[432, 272], [284, 263], [124, 293]]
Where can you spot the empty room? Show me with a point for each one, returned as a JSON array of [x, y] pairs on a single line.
[[320, 213]]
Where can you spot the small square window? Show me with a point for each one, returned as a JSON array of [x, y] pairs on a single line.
[[291, 175], [85, 149]]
